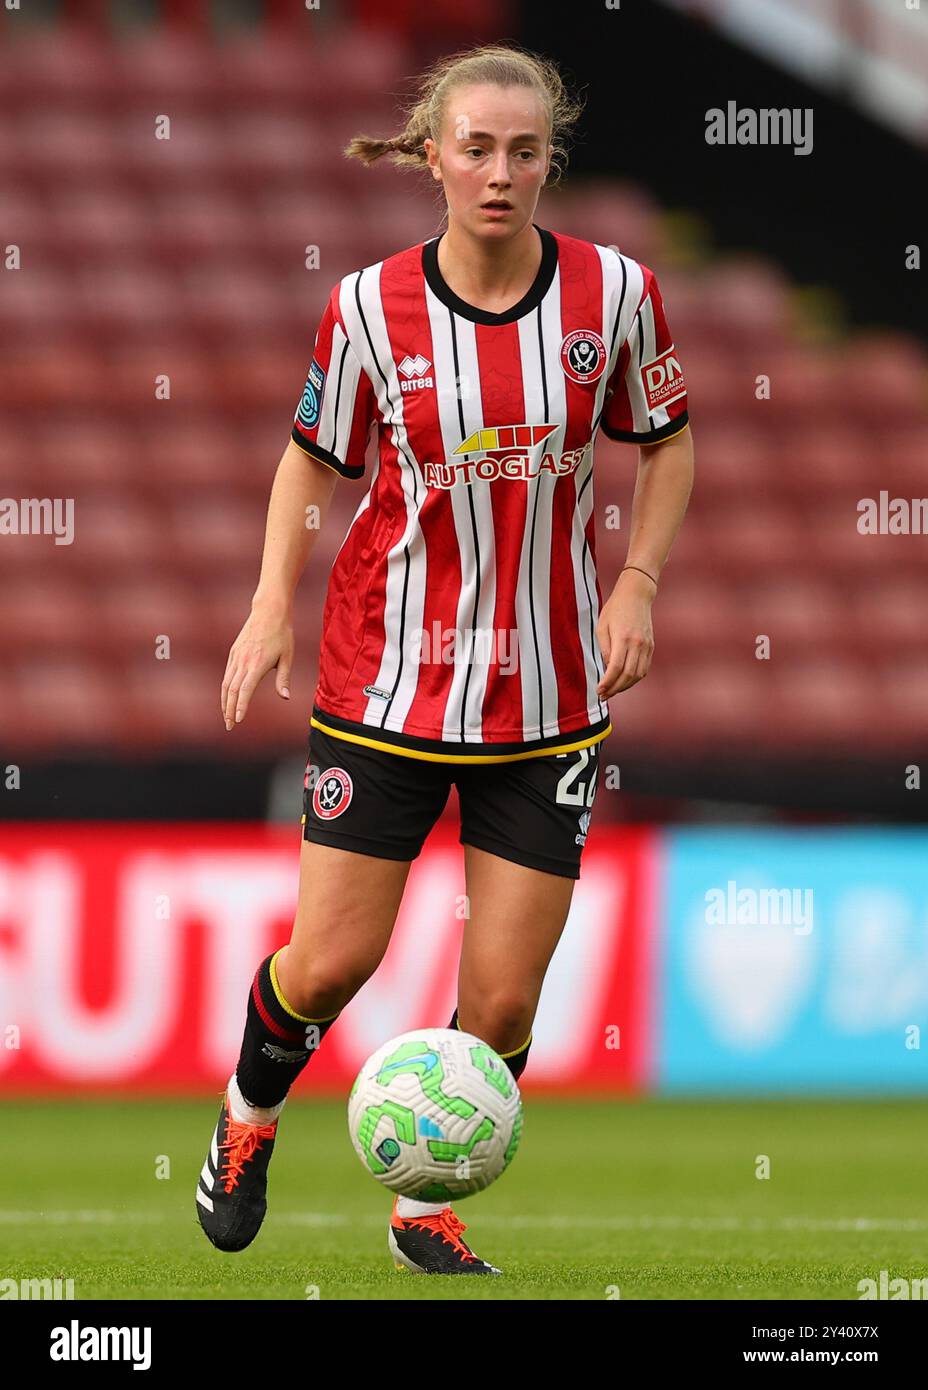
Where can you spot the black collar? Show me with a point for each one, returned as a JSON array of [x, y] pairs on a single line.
[[530, 300]]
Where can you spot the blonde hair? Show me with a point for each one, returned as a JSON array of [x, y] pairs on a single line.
[[502, 65]]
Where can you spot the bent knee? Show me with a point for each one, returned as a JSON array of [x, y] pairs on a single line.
[[318, 988], [504, 1021]]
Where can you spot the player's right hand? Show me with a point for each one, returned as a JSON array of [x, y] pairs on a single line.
[[264, 643]]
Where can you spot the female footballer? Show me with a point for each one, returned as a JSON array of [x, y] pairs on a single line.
[[465, 637]]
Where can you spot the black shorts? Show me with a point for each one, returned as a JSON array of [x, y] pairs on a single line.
[[534, 811]]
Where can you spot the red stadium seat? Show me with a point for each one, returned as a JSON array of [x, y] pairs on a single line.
[[54, 63], [41, 616], [173, 704], [198, 224], [192, 157], [696, 616], [824, 458], [824, 702], [183, 456], [903, 716], [746, 300], [734, 463], [215, 531], [42, 303], [900, 461], [29, 218], [613, 215], [884, 377], [755, 538], [806, 385], [367, 61], [713, 379], [723, 702], [850, 554], [139, 615], [98, 223], [288, 219], [258, 304], [115, 533], [69, 704], [54, 141], [264, 75], [17, 456], [798, 613], [130, 301], [887, 616], [164, 70], [51, 376], [77, 453], [134, 375]]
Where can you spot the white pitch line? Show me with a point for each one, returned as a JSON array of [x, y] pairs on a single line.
[[76, 1218], [11, 1217]]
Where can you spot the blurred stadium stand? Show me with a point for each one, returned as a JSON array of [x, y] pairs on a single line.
[[184, 258]]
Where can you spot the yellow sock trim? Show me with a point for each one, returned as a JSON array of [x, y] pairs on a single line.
[[520, 1048], [282, 1001]]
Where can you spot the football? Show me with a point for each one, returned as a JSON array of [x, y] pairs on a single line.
[[435, 1114]]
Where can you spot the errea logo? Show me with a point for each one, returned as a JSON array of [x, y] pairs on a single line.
[[414, 369]]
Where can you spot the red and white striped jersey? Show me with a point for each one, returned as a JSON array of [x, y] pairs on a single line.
[[460, 619]]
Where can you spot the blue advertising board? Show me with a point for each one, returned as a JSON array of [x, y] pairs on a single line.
[[793, 960]]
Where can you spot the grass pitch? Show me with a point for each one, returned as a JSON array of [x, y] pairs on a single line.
[[653, 1199]]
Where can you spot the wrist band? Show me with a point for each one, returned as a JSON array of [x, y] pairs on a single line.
[[640, 571]]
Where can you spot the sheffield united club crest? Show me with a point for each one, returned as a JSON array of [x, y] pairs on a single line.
[[332, 793], [583, 356]]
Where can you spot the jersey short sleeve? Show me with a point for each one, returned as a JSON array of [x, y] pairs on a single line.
[[646, 395], [335, 412]]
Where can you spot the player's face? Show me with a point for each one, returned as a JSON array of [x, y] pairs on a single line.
[[494, 149]]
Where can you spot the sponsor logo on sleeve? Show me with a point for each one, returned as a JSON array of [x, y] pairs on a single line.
[[662, 380], [308, 413]]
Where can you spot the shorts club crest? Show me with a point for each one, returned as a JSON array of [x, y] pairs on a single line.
[[478, 525], [332, 794]]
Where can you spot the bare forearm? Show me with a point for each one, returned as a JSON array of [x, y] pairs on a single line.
[[300, 497], [625, 631], [662, 491]]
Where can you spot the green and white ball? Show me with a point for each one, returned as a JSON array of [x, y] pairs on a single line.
[[435, 1114]]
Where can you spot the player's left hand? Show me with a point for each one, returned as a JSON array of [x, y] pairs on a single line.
[[625, 634]]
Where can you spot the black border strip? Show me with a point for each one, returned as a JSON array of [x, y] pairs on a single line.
[[653, 436], [316, 451], [474, 750], [530, 300]]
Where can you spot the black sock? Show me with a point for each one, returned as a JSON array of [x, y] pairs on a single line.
[[278, 1042], [515, 1061]]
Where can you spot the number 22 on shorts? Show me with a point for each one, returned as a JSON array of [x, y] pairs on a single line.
[[575, 789]]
